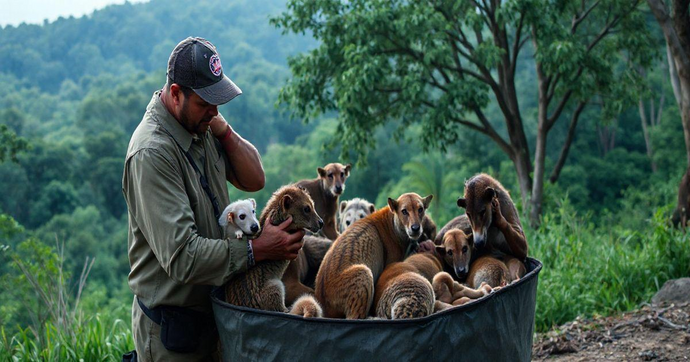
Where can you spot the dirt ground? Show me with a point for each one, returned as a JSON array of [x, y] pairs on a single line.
[[652, 333]]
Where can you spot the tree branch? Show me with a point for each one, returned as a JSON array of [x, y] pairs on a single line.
[[566, 145], [577, 20]]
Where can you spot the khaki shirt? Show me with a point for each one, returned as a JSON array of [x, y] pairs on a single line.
[[175, 246]]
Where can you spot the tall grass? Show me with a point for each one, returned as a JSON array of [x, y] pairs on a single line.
[[98, 339], [599, 271]]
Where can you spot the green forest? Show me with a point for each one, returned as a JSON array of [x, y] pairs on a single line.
[[367, 83]]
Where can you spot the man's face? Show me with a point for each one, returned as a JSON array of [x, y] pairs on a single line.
[[194, 113]]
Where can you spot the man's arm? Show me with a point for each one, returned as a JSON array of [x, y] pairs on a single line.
[[156, 198], [246, 171]]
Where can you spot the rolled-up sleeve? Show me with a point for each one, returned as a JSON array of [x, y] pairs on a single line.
[[157, 199]]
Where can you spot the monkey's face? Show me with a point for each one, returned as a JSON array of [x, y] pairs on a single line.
[[479, 208], [298, 204], [456, 251], [409, 210], [353, 210], [333, 177]]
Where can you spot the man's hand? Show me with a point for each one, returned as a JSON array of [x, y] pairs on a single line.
[[219, 126], [275, 243]]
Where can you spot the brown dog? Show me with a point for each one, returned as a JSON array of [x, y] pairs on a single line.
[[496, 227], [260, 287], [345, 282], [325, 191]]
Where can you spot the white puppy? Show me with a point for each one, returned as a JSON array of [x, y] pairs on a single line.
[[353, 210], [239, 219]]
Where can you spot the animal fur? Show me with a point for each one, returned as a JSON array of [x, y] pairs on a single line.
[[489, 270], [450, 293], [307, 307], [260, 287], [345, 282], [300, 273], [461, 222], [353, 210], [404, 289], [496, 227]]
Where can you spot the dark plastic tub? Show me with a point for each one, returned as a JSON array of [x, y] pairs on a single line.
[[497, 327]]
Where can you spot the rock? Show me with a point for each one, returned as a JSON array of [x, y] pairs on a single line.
[[674, 291]]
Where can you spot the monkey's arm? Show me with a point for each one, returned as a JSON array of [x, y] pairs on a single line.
[[244, 170], [513, 233]]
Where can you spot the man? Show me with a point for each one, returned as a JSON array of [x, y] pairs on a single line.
[[176, 168]]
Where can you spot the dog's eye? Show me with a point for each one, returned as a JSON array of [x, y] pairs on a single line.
[[404, 212], [464, 249], [253, 211], [342, 174], [347, 222], [361, 216], [420, 211], [481, 213], [450, 252], [330, 175], [307, 209], [243, 216]]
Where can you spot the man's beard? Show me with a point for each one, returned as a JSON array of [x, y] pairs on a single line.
[[187, 124]]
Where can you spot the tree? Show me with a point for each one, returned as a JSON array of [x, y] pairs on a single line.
[[440, 63], [676, 27]]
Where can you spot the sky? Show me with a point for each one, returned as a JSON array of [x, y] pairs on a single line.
[[15, 12]]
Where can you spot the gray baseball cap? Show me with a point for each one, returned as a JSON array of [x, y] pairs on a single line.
[[195, 63]]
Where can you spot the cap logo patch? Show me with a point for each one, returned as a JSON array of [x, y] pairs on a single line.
[[214, 64]]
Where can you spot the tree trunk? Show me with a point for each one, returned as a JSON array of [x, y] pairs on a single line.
[[676, 28]]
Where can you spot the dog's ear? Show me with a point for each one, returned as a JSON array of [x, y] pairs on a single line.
[[253, 203], [322, 172], [462, 202], [231, 217], [348, 167], [372, 208], [441, 250], [286, 202], [427, 200], [393, 204], [343, 205], [489, 194]]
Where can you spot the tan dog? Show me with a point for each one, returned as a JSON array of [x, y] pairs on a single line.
[[496, 227], [458, 252], [325, 191], [351, 268], [260, 287]]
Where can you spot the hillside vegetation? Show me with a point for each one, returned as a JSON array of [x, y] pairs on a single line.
[[75, 89]]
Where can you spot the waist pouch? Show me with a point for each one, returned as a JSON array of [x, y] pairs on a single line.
[[181, 328]]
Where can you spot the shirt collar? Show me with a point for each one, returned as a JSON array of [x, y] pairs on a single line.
[[168, 122]]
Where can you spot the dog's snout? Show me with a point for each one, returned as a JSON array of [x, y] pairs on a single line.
[[255, 228], [415, 227], [338, 188], [479, 240], [320, 224], [461, 272]]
